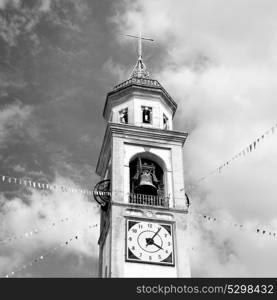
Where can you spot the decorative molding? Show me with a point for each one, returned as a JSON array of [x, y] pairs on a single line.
[[130, 131], [152, 208], [127, 130], [147, 149], [141, 85]]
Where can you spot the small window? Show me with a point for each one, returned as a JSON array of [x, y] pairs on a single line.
[[123, 116], [146, 114], [165, 122]]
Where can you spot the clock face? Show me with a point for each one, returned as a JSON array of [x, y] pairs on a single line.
[[150, 242]]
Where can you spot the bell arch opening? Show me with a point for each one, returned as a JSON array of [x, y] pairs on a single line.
[[147, 180]]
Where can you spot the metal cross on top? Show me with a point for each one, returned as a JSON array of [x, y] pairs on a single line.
[[140, 68]]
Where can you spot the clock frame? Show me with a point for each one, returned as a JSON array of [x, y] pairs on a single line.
[[143, 249]]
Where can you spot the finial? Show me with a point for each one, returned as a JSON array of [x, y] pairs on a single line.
[[140, 68]]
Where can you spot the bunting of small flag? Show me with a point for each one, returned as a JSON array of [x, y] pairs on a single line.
[[42, 257], [257, 230], [250, 148], [32, 232], [43, 186]]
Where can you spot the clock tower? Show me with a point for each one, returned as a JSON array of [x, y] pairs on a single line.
[[143, 230]]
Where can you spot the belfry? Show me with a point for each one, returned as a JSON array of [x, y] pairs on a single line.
[[143, 230]]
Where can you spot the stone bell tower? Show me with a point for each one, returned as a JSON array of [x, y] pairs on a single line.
[[143, 231]]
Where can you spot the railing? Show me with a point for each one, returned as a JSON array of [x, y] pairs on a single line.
[[151, 200], [140, 81], [143, 82]]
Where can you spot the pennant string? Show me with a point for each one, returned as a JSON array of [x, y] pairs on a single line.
[[248, 149], [53, 250], [31, 233], [240, 226], [43, 186]]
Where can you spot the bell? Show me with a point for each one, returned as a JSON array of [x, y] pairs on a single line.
[[146, 185]]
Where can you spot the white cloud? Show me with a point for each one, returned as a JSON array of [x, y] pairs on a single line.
[[221, 69], [12, 117], [115, 69], [39, 214], [45, 5], [3, 3]]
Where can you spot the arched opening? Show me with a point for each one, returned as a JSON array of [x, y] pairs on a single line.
[[147, 180]]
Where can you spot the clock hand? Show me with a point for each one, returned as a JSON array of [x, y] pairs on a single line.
[[150, 241], [156, 233], [157, 246]]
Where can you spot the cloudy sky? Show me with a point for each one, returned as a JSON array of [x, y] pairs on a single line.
[[58, 59]]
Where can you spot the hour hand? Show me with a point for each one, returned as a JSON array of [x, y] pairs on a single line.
[[150, 241], [157, 246]]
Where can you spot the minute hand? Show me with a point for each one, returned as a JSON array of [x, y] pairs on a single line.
[[156, 233]]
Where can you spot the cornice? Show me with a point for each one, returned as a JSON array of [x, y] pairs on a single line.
[[147, 132], [132, 86], [105, 149], [131, 131], [147, 207]]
